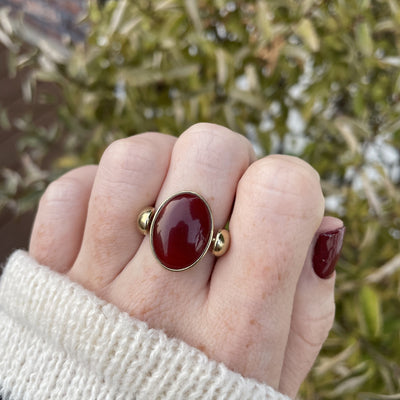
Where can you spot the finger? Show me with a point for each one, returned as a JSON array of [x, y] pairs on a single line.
[[208, 159], [314, 305], [60, 221], [279, 206], [129, 177]]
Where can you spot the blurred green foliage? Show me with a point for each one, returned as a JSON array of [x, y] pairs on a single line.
[[317, 79]]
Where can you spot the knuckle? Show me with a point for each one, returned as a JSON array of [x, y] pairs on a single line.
[[63, 190], [287, 184], [292, 160], [314, 329], [129, 152], [205, 128], [209, 146], [290, 173], [129, 157]]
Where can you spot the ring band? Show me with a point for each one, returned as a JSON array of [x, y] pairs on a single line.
[[182, 231]]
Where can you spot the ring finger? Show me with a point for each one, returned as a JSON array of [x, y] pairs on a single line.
[[207, 159]]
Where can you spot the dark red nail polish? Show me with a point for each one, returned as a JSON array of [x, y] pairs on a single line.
[[327, 251]]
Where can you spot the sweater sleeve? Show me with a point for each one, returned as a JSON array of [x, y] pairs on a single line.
[[59, 341]]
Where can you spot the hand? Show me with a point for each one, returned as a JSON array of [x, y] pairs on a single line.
[[261, 309]]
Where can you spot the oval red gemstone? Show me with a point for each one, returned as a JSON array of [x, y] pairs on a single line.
[[181, 231]]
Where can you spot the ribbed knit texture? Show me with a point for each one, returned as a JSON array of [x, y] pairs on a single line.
[[59, 341]]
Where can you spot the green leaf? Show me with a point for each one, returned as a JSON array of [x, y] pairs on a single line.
[[364, 39], [306, 31], [370, 312]]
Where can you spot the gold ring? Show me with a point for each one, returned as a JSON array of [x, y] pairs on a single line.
[[182, 231]]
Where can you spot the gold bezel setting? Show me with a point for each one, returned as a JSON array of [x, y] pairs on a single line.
[[219, 243]]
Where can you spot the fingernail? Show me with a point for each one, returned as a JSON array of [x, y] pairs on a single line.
[[327, 251]]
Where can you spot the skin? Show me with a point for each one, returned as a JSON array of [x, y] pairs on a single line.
[[260, 308]]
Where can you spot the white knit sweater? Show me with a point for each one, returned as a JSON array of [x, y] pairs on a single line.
[[59, 341]]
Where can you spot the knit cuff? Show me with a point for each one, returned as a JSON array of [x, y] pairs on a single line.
[[59, 341]]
